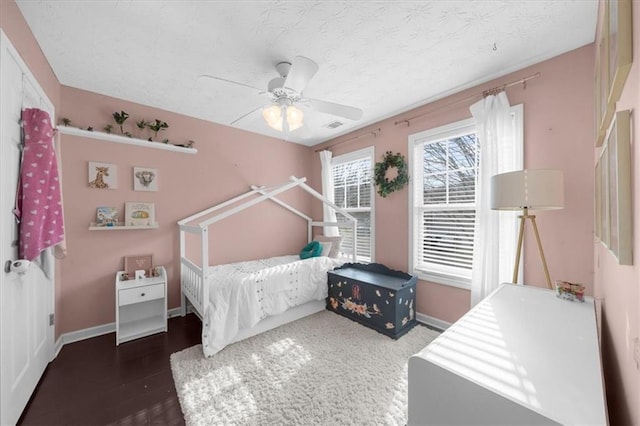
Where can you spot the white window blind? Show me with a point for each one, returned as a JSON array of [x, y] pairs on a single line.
[[353, 191], [447, 211]]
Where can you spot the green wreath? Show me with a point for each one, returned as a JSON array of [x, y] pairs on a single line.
[[386, 186]]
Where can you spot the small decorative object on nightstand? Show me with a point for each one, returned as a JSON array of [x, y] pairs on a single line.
[[141, 306]]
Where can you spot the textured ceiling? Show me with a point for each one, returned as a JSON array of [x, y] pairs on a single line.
[[384, 57]]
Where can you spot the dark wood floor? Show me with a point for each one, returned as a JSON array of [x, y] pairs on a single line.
[[93, 382]]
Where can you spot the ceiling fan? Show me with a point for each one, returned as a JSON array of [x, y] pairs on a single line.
[[285, 94]]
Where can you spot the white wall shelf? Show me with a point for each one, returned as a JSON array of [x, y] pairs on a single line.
[[109, 137], [120, 227]]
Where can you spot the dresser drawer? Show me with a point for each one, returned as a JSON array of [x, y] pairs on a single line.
[[140, 294]]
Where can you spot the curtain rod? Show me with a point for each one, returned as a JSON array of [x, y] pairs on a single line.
[[485, 93], [373, 132]]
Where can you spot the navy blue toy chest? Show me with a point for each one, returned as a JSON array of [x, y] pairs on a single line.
[[375, 296]]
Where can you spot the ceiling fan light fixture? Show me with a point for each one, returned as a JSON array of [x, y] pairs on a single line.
[[271, 114], [294, 116], [275, 116], [275, 125]]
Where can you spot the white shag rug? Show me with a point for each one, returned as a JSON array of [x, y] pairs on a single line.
[[322, 369]]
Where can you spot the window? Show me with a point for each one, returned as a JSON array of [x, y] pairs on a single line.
[[353, 191], [444, 164]]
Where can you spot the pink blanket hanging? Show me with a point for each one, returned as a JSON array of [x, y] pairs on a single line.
[[38, 201]]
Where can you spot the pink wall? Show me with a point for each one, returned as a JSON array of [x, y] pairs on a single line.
[[558, 123], [618, 285], [227, 162]]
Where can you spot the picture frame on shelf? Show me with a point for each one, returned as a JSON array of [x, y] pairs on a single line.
[[145, 179], [106, 216], [619, 23], [137, 263], [139, 214], [102, 175], [620, 214]]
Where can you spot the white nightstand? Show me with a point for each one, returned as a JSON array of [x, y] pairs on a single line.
[[141, 307]]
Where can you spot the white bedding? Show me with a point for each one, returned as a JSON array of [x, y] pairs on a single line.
[[242, 294]]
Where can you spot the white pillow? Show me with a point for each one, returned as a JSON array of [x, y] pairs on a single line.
[[335, 247], [326, 248]]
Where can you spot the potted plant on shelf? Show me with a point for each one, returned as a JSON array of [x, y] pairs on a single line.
[[157, 126], [120, 118]]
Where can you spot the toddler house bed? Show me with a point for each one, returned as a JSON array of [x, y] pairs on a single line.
[[239, 300]]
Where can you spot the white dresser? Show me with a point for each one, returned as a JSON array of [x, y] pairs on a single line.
[[520, 357]]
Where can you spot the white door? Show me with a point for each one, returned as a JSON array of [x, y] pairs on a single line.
[[26, 301]]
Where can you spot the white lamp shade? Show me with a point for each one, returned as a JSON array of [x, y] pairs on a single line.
[[530, 189]]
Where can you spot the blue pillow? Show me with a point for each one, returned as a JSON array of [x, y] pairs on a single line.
[[313, 249]]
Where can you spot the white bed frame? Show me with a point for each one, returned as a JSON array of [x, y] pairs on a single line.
[[193, 278]]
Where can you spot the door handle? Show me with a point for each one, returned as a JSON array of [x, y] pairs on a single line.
[[19, 266]]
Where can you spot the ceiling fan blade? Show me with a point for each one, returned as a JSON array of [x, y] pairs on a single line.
[[230, 81], [245, 115], [302, 70], [339, 110]]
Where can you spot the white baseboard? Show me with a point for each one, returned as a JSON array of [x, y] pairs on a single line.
[[432, 322], [88, 333], [56, 348], [175, 312]]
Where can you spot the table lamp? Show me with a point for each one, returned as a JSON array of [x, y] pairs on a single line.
[[528, 190]]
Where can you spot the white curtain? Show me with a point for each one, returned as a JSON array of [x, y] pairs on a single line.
[[329, 214], [495, 231]]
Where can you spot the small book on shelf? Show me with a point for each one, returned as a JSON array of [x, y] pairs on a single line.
[[139, 214], [106, 216]]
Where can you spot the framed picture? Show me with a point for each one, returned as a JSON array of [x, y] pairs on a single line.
[[597, 201], [103, 175], [145, 179], [137, 263], [602, 197], [106, 216], [620, 49], [604, 111], [139, 214], [618, 150]]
